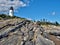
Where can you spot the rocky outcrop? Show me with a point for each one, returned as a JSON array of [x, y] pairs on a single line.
[[25, 33]]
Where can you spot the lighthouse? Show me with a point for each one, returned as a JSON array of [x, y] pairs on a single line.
[[11, 11]]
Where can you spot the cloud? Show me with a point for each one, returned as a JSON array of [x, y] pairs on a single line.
[[53, 13], [6, 4], [29, 18]]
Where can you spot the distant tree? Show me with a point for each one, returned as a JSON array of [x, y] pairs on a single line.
[[56, 23], [43, 20]]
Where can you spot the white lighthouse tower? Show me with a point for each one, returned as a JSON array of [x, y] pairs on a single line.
[[11, 11]]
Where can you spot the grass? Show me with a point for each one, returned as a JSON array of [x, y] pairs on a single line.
[[3, 16], [48, 23]]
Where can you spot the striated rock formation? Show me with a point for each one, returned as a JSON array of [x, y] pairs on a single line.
[[24, 33]]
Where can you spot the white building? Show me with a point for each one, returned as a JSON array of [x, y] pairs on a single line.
[[11, 11]]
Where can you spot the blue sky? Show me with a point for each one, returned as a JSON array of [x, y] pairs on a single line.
[[39, 9]]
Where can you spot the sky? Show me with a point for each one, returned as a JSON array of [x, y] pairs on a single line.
[[36, 9]]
